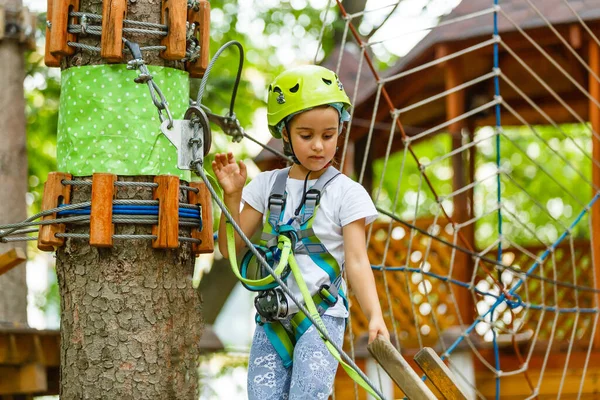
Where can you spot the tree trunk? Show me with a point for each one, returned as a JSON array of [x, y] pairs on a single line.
[[131, 321], [13, 169]]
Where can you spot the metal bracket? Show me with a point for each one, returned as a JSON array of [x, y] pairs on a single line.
[[191, 136]]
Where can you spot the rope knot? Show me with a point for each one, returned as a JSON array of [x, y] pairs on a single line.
[[515, 301]]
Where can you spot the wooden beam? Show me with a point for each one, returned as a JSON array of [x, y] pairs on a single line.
[[439, 374], [594, 89], [24, 345], [11, 259], [399, 370], [29, 378]]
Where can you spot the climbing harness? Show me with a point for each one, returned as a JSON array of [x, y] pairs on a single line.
[[278, 244], [284, 337]]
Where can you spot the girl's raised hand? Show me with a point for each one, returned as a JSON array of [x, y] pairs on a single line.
[[230, 174]]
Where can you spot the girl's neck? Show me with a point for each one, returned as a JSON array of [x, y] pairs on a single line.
[[299, 172]]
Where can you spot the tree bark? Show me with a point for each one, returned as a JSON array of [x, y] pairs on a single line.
[[13, 169], [131, 321]]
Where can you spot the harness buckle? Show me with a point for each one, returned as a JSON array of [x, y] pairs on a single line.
[[277, 200], [326, 295], [314, 195]]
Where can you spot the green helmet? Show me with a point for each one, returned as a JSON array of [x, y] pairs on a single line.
[[302, 88]]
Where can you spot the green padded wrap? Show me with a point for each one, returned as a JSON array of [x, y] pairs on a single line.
[[108, 123]]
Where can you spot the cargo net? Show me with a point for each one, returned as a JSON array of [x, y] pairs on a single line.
[[477, 149]]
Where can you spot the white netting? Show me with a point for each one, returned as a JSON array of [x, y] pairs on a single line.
[[478, 151]]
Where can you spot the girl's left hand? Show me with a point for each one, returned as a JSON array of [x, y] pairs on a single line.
[[377, 327]]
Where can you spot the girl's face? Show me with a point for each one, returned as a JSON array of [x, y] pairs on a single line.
[[314, 135]]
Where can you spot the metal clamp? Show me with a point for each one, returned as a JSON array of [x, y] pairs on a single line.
[[229, 124]]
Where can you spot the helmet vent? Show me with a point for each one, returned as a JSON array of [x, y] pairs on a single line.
[[295, 88], [327, 81], [270, 88]]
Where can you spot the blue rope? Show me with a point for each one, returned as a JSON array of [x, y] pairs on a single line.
[[132, 210], [498, 127], [512, 291], [511, 303]]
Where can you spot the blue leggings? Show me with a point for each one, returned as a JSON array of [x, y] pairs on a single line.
[[310, 376]]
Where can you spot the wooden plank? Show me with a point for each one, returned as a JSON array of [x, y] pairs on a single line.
[[399, 370], [22, 345], [594, 89], [200, 16], [167, 230], [60, 21], [174, 15], [439, 374], [28, 378], [55, 193], [101, 227], [11, 259], [50, 60], [113, 14], [203, 199]]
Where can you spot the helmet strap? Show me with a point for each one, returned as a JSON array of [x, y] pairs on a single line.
[[289, 136]]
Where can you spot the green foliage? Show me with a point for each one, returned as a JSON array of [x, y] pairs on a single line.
[[42, 91]]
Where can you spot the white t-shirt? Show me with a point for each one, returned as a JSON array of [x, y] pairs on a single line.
[[342, 202]]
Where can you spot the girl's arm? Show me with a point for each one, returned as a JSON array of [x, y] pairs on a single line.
[[361, 277], [248, 219], [232, 177]]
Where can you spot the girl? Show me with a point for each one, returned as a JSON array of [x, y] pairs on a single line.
[[327, 211]]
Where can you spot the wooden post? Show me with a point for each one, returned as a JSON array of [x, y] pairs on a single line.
[[594, 89], [463, 207]]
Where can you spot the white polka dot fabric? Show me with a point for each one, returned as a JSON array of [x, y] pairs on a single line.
[[108, 123]]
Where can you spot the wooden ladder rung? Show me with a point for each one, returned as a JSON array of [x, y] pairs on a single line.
[[399, 370], [167, 230], [55, 193], [200, 16], [174, 15], [59, 35], [101, 227], [113, 14], [439, 374]]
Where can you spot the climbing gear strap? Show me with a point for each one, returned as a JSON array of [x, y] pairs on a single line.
[[285, 249], [314, 313], [278, 196]]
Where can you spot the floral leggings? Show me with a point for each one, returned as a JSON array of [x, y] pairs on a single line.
[[310, 376]]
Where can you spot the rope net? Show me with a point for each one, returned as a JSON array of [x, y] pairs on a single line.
[[477, 149]]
